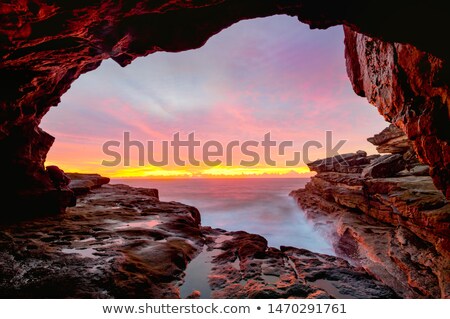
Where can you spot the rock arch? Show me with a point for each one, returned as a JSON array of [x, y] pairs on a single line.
[[392, 59]]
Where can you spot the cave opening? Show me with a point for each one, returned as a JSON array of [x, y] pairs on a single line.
[[270, 75], [262, 75], [273, 79]]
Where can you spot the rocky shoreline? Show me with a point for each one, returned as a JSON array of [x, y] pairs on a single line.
[[388, 223], [123, 242], [384, 213]]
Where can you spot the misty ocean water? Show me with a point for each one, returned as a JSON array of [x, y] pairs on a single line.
[[255, 205]]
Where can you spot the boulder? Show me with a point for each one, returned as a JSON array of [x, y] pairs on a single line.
[[82, 184], [420, 170], [385, 166], [391, 140], [58, 177], [343, 163]]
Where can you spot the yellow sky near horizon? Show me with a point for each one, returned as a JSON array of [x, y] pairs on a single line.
[[258, 76], [186, 172]]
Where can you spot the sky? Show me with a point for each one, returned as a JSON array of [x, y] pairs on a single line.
[[258, 76]]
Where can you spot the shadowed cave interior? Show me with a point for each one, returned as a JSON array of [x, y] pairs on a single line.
[[396, 65]]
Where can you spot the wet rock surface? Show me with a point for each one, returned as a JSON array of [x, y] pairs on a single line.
[[243, 266], [122, 242], [246, 268], [396, 225], [118, 242]]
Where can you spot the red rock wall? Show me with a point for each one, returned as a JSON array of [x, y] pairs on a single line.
[[46, 45], [409, 88]]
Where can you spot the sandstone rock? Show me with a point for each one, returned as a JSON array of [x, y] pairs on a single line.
[[420, 170], [83, 183], [402, 82], [413, 267], [361, 153], [411, 201], [397, 228], [415, 203], [411, 159], [57, 176], [345, 163], [119, 242], [41, 57], [408, 86], [286, 273], [398, 145], [391, 140], [385, 166], [194, 295], [335, 275], [395, 225], [122, 242], [81, 187]]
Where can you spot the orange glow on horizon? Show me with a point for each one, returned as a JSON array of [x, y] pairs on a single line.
[[187, 172]]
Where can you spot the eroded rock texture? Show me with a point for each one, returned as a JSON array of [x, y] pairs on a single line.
[[118, 242], [46, 45], [123, 242], [390, 220], [410, 89], [245, 267], [82, 184]]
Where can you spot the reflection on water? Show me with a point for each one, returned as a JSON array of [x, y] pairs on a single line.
[[260, 206], [197, 275], [198, 269], [331, 289]]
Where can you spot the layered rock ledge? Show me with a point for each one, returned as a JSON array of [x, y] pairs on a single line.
[[385, 214], [123, 242], [82, 184]]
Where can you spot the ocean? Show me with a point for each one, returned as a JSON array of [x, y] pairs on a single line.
[[255, 205]]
